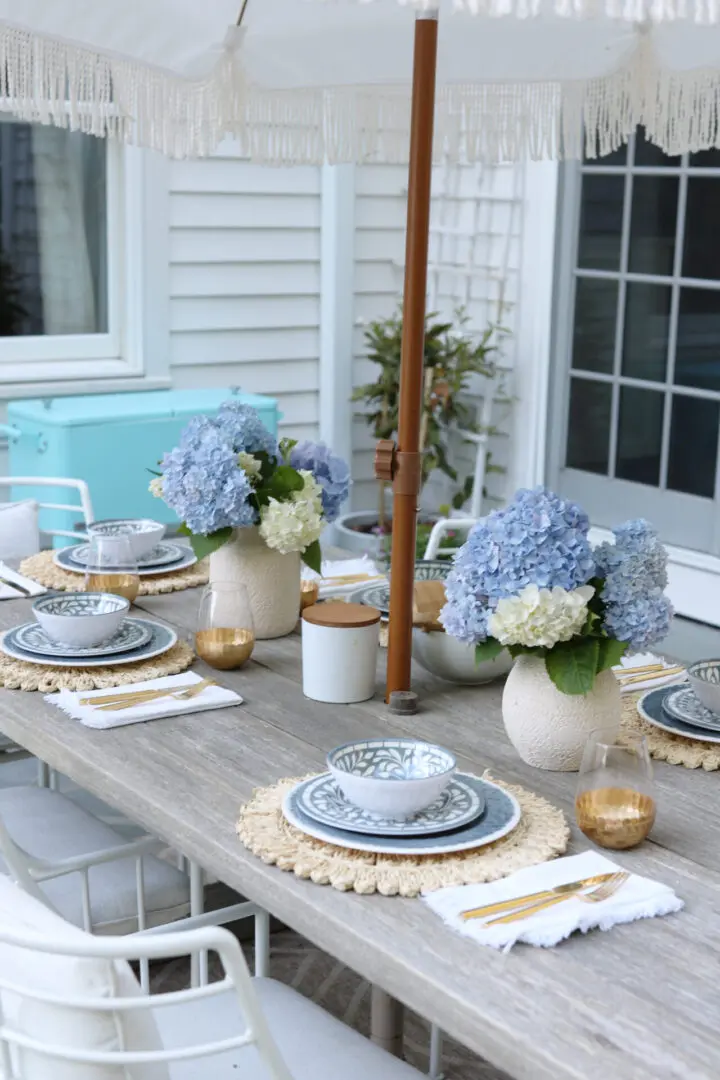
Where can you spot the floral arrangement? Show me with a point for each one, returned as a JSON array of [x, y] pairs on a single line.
[[528, 580], [229, 472]]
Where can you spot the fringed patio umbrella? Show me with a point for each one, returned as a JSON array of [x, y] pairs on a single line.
[[305, 81]]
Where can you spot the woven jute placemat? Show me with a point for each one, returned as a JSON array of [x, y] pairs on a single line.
[[664, 746], [42, 569], [19, 675], [542, 834]]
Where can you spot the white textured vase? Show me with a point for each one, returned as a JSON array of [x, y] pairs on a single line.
[[549, 729], [271, 579]]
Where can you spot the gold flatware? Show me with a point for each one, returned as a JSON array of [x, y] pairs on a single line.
[[351, 579], [649, 676], [134, 695], [596, 896], [622, 671], [531, 898], [182, 695]]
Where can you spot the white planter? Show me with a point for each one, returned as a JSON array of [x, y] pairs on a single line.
[[549, 729], [445, 656], [271, 579]]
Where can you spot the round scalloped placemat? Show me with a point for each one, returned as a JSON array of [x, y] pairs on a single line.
[[664, 746], [42, 569], [542, 834], [19, 675]]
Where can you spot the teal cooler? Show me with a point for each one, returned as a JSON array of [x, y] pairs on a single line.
[[111, 441]]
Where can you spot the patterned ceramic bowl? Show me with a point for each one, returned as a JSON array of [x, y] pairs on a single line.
[[704, 678], [393, 778], [80, 619], [143, 533]]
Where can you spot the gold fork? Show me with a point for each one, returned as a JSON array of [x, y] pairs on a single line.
[[179, 695], [531, 899], [139, 697], [595, 896]]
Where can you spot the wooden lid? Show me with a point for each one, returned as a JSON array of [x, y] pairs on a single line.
[[337, 613]]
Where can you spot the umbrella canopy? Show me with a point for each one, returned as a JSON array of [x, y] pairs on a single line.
[[300, 81]]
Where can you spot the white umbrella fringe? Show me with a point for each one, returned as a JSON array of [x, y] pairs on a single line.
[[47, 81]]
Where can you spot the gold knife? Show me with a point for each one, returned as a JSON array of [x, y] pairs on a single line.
[[651, 676], [522, 901], [135, 695]]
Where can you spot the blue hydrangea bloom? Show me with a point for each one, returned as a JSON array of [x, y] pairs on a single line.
[[635, 572], [635, 565], [642, 621], [202, 482], [243, 428], [331, 472], [539, 539]]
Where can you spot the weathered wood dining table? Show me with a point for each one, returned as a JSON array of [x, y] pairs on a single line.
[[641, 1002]]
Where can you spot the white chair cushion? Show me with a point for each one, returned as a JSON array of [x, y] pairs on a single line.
[[48, 825], [314, 1045], [19, 530], [63, 977]]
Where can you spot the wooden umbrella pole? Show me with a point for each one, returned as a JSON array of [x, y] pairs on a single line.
[[406, 481]]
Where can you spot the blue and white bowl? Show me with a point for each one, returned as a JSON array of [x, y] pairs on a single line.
[[392, 778], [80, 620], [143, 533], [704, 677]]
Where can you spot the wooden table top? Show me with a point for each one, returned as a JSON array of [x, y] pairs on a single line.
[[641, 1002]]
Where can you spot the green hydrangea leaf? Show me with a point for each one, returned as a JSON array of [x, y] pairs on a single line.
[[487, 650], [205, 545], [312, 556], [610, 652], [572, 665]]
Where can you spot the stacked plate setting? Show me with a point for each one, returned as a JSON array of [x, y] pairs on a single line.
[[166, 557], [388, 776], [690, 711], [136, 639]]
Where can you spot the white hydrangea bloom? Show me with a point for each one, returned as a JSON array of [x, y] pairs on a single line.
[[249, 465], [294, 525], [155, 487], [540, 616]]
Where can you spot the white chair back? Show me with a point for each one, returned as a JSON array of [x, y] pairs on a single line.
[[132, 1062], [82, 507]]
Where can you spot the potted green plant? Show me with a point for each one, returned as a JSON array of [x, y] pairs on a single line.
[[453, 355]]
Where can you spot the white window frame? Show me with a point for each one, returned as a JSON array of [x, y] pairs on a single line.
[[136, 345]]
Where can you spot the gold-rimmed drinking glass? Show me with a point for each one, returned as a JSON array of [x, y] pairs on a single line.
[[225, 637], [112, 567], [615, 800]]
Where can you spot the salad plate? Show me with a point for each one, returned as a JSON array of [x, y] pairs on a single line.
[[161, 555], [65, 561], [459, 804], [31, 637], [650, 707]]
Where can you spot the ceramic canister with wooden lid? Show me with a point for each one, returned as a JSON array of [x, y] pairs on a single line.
[[339, 651]]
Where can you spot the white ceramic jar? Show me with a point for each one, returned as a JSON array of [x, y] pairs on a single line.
[[340, 651]]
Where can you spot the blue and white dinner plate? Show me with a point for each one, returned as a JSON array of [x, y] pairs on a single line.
[[685, 706], [161, 639], [323, 801], [378, 595], [650, 707], [502, 814], [64, 559], [31, 637], [161, 554]]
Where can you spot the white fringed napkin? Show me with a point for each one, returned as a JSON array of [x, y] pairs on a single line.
[[639, 898], [212, 697], [10, 575], [360, 571]]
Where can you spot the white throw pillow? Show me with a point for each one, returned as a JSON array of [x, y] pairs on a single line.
[[64, 977], [19, 531]]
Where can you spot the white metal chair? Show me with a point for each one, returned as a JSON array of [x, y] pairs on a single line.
[[71, 1006], [83, 507]]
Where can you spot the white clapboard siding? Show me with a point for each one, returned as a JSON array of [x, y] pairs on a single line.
[[482, 214], [245, 282]]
